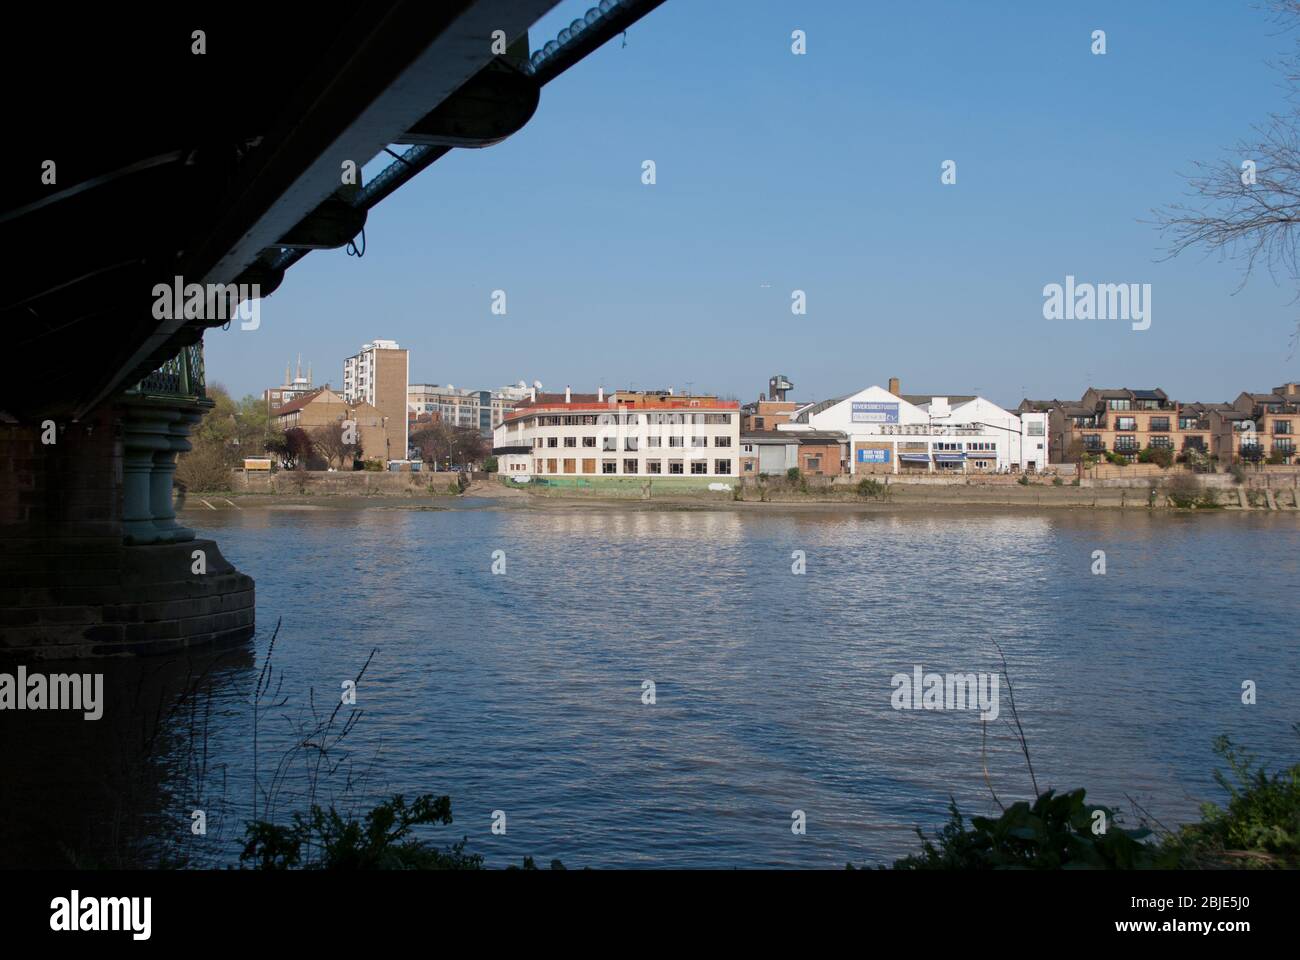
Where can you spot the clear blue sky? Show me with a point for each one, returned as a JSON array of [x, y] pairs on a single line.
[[822, 172]]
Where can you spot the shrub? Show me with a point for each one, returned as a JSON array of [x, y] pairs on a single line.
[[323, 840], [793, 475], [1238, 473], [1118, 459], [1184, 491], [1057, 482], [203, 468], [872, 488], [1024, 480], [1260, 827], [1056, 832], [1161, 456]]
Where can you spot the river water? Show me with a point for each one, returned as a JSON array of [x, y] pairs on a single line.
[[522, 692]]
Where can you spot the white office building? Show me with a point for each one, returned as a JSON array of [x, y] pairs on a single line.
[[889, 432], [625, 434]]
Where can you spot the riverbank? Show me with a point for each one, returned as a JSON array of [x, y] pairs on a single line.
[[394, 492]]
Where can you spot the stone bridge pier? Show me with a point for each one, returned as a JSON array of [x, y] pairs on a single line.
[[92, 559]]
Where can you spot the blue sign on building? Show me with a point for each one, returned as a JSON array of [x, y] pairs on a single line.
[[869, 411], [873, 456]]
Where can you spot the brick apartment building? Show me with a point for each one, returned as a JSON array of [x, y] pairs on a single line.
[[1259, 427], [378, 375], [1121, 420], [324, 407]]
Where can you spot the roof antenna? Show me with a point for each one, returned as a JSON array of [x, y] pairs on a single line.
[[624, 39]]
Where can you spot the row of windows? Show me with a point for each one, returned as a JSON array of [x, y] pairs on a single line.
[[632, 443], [602, 419], [682, 467]]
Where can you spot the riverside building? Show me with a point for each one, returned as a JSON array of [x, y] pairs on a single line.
[[658, 434], [889, 432]]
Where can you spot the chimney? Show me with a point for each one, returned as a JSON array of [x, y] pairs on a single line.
[[568, 394], [600, 394], [894, 386]]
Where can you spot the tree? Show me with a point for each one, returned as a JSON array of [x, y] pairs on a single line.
[[252, 426], [330, 443], [1075, 452], [293, 447], [1247, 207], [440, 442]]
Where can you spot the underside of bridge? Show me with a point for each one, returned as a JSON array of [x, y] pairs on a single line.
[[189, 149]]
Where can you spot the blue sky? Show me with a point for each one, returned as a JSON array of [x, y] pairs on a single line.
[[821, 172]]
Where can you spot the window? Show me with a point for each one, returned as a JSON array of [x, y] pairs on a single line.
[[1126, 444], [551, 466], [1281, 426], [1119, 404], [609, 443], [749, 466], [654, 466], [1034, 428], [570, 466], [809, 463], [588, 466], [1159, 425], [722, 467], [588, 441], [1163, 443], [630, 443], [699, 466], [722, 441], [570, 441], [699, 441], [629, 466], [609, 466], [676, 441], [1126, 423], [758, 423], [552, 441], [675, 466], [654, 441], [537, 442]]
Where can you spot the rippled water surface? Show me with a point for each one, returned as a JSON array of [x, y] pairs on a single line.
[[522, 692]]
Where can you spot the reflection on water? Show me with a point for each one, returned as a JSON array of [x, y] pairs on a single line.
[[522, 692]]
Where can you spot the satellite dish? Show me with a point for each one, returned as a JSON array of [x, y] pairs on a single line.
[[537, 384]]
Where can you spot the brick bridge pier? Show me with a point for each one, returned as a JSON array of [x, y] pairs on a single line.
[[92, 559]]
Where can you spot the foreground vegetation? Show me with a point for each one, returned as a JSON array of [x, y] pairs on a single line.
[[1259, 828]]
